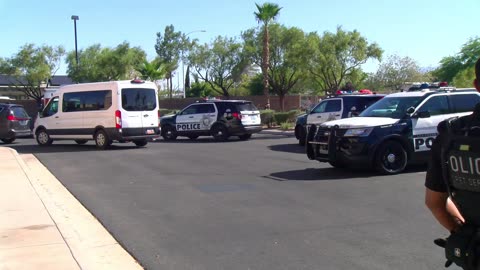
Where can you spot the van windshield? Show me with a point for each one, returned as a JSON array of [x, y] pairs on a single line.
[[139, 99], [392, 107]]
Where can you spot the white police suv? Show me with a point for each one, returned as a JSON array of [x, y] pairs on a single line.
[[397, 130], [218, 118]]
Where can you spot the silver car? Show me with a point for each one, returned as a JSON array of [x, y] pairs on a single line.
[[14, 123]]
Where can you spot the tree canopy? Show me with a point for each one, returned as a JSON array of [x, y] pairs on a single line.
[[32, 67], [105, 64]]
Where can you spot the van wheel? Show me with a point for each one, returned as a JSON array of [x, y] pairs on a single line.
[[391, 158], [8, 140], [140, 143], [101, 140], [168, 133], [193, 137], [220, 133], [245, 137], [43, 139], [81, 141]]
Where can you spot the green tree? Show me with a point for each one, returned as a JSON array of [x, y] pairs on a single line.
[[105, 64], [169, 48], [31, 68], [464, 78], [396, 71], [219, 63], [151, 71], [337, 55], [450, 66], [265, 14]]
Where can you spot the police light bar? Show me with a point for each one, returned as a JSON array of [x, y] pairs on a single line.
[[137, 81]]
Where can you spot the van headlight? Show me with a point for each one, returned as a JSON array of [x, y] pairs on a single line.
[[358, 132]]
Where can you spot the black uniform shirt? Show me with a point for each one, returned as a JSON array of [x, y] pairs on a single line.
[[434, 180]]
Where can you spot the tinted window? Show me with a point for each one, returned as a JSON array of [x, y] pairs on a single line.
[[436, 106], [191, 110], [464, 103], [333, 106], [87, 101], [138, 99], [19, 112], [247, 106], [392, 107], [206, 108], [51, 108], [320, 108]]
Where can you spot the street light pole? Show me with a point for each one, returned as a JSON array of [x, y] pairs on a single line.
[[183, 69], [75, 18]]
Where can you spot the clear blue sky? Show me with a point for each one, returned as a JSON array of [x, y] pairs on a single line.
[[425, 30]]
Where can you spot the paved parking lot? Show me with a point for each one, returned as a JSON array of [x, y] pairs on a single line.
[[258, 204]]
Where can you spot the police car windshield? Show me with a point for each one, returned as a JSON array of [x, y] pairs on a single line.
[[391, 107]]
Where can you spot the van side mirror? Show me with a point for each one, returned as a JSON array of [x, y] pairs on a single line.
[[410, 110]]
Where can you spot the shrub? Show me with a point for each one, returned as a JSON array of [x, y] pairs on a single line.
[[165, 111], [281, 117], [286, 125], [266, 117]]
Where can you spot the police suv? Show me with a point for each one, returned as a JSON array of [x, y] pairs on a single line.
[[397, 130], [333, 108], [218, 118]]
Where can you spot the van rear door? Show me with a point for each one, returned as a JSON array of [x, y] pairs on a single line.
[[139, 110]]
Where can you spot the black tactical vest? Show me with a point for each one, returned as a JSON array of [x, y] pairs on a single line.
[[461, 168]]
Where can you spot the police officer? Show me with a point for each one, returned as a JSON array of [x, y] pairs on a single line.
[[453, 177]]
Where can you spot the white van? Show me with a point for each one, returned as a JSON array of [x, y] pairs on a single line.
[[104, 112]]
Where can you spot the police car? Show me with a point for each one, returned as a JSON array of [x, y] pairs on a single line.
[[333, 108], [397, 130], [218, 118]]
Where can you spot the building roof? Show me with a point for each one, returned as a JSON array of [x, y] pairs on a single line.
[[57, 80]]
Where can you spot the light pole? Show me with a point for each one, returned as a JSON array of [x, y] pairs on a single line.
[[75, 18], [183, 69]]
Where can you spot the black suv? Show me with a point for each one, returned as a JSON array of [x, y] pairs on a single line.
[[218, 118], [14, 123], [342, 106]]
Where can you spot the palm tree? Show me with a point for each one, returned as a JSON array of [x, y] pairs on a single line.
[[152, 71], [266, 13]]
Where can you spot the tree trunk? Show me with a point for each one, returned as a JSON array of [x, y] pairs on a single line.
[[282, 102], [265, 64]]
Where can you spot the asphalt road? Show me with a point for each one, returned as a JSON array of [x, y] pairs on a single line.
[[257, 204]]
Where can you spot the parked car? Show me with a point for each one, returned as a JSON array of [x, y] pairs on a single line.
[[14, 123], [218, 118], [395, 131], [333, 108]]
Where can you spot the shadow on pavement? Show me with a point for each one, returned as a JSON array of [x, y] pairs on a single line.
[[319, 174], [289, 148], [209, 139]]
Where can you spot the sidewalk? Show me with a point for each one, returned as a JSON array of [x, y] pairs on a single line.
[[276, 131], [42, 226]]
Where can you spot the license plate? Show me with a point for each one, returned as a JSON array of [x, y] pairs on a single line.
[[323, 149], [23, 122], [253, 117], [150, 131]]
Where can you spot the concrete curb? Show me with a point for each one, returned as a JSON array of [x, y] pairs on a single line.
[[288, 133], [90, 244]]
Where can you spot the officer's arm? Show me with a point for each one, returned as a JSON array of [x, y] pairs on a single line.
[[437, 203]]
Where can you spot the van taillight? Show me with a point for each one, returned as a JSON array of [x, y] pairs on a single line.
[[237, 115], [118, 119], [158, 118]]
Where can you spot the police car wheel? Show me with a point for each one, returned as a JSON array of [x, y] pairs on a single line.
[[391, 158], [245, 136], [81, 141], [337, 164], [140, 143], [220, 133], [10, 140], [193, 137], [168, 133]]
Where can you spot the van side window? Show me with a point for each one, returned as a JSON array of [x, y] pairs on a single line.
[[464, 103], [87, 101], [52, 108], [436, 106]]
